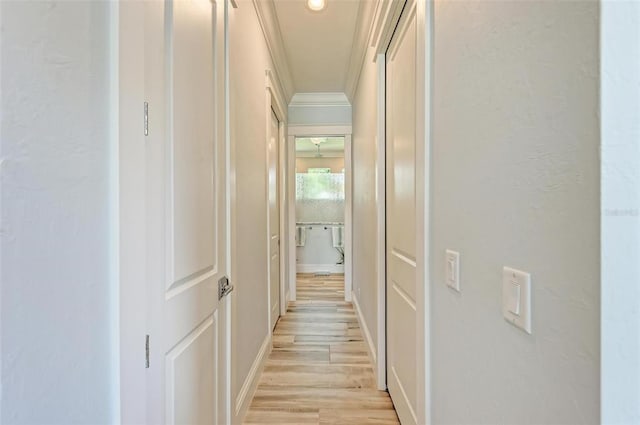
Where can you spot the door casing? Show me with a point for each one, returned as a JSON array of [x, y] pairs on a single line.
[[290, 226], [275, 103]]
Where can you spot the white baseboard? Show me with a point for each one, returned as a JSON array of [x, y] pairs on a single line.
[[315, 268], [367, 335], [246, 393]]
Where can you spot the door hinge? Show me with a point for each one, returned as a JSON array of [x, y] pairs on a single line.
[[146, 351], [224, 287], [146, 118]]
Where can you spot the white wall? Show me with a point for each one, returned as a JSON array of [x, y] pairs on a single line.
[[620, 180], [319, 109], [318, 253], [56, 310], [303, 164], [515, 182], [249, 60], [365, 228]]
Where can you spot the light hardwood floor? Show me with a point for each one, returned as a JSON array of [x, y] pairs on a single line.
[[319, 371]]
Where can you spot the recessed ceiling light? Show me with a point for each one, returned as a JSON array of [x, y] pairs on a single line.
[[316, 5]]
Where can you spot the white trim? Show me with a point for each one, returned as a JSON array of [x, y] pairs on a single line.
[[228, 313], [282, 208], [278, 100], [117, 352], [275, 102], [250, 384], [348, 218], [424, 74], [387, 16], [130, 192], [290, 248], [361, 37], [381, 202], [317, 130], [281, 112], [371, 347], [267, 16], [319, 99], [317, 268]]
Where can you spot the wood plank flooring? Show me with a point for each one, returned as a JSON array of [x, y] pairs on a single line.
[[319, 371]]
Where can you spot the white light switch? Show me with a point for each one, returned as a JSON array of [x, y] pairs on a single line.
[[453, 269], [516, 298]]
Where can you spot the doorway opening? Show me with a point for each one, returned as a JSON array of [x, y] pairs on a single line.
[[320, 208], [320, 214]]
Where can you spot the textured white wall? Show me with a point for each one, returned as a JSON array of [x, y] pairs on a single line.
[[364, 195], [620, 179], [515, 182], [55, 311]]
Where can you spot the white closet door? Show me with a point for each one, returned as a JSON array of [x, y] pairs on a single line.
[[401, 219]]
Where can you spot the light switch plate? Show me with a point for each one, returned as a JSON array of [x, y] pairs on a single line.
[[516, 298], [452, 269]]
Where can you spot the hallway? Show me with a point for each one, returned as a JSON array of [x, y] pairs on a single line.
[[319, 371], [464, 174]]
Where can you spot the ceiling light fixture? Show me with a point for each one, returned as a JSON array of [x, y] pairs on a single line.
[[316, 5]]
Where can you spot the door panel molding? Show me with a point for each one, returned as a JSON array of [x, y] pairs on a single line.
[[191, 216], [208, 329], [396, 381]]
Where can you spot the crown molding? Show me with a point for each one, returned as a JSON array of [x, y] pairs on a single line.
[[266, 11], [384, 24], [361, 36], [319, 99]]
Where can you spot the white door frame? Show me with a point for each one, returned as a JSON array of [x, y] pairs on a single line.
[[128, 159], [275, 101], [319, 130], [227, 304], [385, 22], [381, 203]]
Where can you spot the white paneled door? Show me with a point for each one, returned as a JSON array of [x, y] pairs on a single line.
[[185, 212], [274, 221], [401, 219]]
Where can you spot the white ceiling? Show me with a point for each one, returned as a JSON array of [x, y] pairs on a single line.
[[318, 44]]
